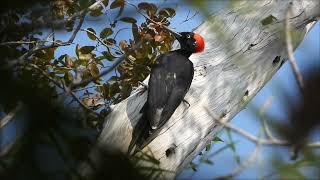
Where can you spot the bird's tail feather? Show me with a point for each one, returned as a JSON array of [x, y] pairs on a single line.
[[140, 133]]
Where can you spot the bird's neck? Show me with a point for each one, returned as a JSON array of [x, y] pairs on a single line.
[[184, 52]]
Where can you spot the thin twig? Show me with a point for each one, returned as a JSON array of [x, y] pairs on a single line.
[[85, 88], [100, 40], [243, 166], [18, 43], [264, 121], [94, 6], [189, 18], [76, 30], [64, 89], [8, 117], [94, 78], [292, 59], [256, 139], [32, 42]]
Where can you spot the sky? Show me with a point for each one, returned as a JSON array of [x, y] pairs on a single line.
[[281, 87]]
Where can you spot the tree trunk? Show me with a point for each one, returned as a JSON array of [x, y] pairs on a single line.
[[245, 46]]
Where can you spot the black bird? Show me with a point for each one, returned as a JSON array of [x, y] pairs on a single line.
[[169, 82]]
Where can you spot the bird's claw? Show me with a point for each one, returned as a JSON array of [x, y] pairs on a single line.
[[185, 101], [142, 84], [144, 87]]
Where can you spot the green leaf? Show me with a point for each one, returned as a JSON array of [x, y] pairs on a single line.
[[150, 8], [46, 54], [167, 12], [105, 90], [128, 20], [61, 70], [94, 70], [135, 32], [116, 4], [96, 12], [125, 90], [268, 20], [120, 11], [108, 55], [68, 77], [77, 50], [217, 139], [106, 32], [91, 35], [208, 147], [68, 61], [84, 4], [193, 166], [113, 78], [86, 49], [206, 161], [84, 53], [238, 159], [85, 57], [110, 41], [105, 2], [144, 6], [114, 88]]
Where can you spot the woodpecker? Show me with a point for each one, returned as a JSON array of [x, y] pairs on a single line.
[[170, 80]]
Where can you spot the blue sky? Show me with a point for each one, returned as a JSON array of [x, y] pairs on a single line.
[[281, 87]]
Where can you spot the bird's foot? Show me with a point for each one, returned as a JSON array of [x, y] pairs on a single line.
[[185, 101], [143, 84], [144, 87]]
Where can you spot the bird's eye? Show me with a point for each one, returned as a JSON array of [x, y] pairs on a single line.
[[188, 36]]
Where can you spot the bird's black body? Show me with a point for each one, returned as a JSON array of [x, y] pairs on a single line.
[[170, 80]]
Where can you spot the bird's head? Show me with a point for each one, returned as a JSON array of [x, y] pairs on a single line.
[[190, 41]]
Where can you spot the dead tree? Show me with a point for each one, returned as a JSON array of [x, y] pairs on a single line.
[[245, 46]]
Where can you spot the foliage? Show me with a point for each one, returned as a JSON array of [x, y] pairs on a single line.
[[40, 79], [37, 77], [89, 60]]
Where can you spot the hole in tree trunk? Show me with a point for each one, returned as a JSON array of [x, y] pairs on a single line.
[[171, 150], [276, 60], [246, 93]]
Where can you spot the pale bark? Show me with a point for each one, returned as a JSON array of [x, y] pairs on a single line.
[[240, 57]]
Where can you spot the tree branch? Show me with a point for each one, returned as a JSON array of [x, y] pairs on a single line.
[[92, 7], [255, 139], [40, 45], [7, 118], [243, 166], [264, 121], [66, 90], [291, 58], [100, 40]]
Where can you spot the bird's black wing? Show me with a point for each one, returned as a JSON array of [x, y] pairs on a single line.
[[160, 87], [157, 96], [169, 82], [180, 88]]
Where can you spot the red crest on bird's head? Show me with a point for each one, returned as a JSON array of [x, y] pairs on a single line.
[[199, 43]]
